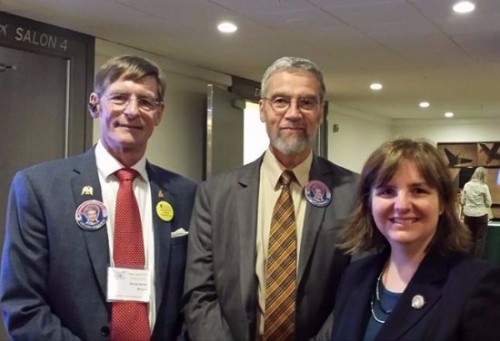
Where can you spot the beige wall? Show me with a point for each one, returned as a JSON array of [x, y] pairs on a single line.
[[359, 136], [177, 143]]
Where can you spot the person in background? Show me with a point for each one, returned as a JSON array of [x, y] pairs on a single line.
[[421, 284], [258, 230], [476, 202], [63, 278]]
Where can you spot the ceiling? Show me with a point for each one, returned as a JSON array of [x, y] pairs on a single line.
[[418, 49]]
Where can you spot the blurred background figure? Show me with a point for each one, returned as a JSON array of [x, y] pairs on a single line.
[[476, 202]]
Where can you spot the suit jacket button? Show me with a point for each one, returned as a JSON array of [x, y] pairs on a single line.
[[105, 331]]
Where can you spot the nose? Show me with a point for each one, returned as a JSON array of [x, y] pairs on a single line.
[[132, 107], [293, 111], [403, 201]]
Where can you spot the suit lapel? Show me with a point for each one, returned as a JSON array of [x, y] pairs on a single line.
[[246, 205], [313, 218], [161, 233], [84, 175], [427, 282], [358, 304]]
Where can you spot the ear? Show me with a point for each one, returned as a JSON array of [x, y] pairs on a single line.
[[322, 112], [159, 114], [261, 111], [93, 105]]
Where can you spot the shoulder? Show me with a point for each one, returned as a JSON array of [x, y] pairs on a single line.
[[327, 164], [54, 168], [339, 172], [475, 269], [467, 275], [362, 266], [239, 177], [478, 282], [170, 179], [360, 274]]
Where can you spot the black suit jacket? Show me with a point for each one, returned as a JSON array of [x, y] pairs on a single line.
[[462, 301], [221, 284], [53, 275]]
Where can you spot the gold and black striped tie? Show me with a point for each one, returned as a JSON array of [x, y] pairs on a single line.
[[279, 323]]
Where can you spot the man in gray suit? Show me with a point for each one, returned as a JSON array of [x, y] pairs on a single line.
[[60, 277], [225, 287]]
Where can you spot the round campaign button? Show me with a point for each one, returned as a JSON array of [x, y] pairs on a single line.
[[164, 210], [91, 215], [317, 193]]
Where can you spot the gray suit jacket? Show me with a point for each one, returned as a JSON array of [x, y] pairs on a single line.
[[53, 275], [221, 284]]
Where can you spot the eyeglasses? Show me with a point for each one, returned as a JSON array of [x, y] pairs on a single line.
[[282, 103], [122, 100]]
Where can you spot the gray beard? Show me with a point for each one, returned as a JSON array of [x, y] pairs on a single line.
[[293, 144]]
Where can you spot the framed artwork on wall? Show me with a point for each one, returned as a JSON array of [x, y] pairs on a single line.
[[464, 158]]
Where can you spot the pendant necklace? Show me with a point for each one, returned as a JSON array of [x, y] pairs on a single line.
[[376, 298]]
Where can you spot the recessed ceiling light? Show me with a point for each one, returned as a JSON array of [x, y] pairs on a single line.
[[227, 27], [424, 104], [464, 7], [449, 114], [376, 86]]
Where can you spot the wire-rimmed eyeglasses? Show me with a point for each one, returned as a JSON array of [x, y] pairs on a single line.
[[283, 103], [121, 100]]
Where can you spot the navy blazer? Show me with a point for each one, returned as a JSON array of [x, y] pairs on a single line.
[[53, 275], [221, 284], [462, 301]]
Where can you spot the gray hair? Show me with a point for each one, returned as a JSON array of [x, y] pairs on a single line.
[[293, 63], [479, 174]]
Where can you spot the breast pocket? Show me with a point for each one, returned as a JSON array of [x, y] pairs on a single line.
[[179, 241]]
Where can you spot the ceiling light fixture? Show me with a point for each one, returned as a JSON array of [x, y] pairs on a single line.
[[227, 27], [449, 114], [376, 86], [463, 7], [424, 104]]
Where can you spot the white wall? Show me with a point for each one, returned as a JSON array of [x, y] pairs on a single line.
[[358, 136], [255, 139], [177, 143], [451, 130]]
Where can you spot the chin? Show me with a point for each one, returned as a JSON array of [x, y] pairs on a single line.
[[291, 146]]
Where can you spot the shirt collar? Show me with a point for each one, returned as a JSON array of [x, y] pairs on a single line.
[[274, 168], [107, 165]]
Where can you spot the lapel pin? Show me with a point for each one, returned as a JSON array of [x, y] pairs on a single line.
[[160, 194], [91, 215], [164, 210], [317, 193], [417, 302], [87, 190]]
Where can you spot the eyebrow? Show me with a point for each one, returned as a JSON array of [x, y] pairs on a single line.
[[281, 94], [413, 184]]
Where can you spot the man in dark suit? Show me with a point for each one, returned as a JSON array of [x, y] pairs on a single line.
[[226, 275], [60, 278]]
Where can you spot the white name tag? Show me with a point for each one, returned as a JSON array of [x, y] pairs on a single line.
[[128, 285]]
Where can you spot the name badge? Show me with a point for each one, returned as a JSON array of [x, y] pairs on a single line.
[[128, 285]]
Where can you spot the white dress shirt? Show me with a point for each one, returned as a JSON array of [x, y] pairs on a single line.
[[107, 165]]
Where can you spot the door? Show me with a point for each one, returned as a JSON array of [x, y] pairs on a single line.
[[224, 131], [33, 118]]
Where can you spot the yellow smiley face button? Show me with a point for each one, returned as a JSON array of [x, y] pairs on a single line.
[[164, 210]]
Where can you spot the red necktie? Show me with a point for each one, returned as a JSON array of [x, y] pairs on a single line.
[[279, 315], [129, 320]]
